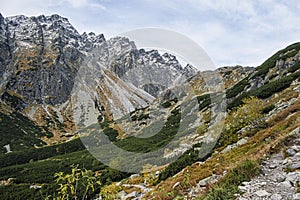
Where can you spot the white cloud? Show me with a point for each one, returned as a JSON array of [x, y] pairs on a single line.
[[77, 3], [85, 4], [231, 31]]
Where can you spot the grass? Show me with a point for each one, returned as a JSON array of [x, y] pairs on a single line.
[[228, 185]]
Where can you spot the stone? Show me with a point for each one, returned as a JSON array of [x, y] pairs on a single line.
[[272, 166], [243, 189], [131, 195], [276, 197], [279, 177], [284, 162], [290, 152], [122, 194], [294, 166], [296, 147], [293, 177], [262, 193], [284, 184], [296, 196], [242, 141], [176, 184], [245, 183], [297, 141], [133, 176], [118, 184], [294, 132]]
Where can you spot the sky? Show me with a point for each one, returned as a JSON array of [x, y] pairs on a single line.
[[232, 32]]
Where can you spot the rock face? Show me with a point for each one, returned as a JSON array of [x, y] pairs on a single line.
[[47, 70]]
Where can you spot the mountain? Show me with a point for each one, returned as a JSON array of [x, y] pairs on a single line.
[[185, 134], [42, 75]]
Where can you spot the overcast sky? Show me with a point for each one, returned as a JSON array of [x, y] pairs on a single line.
[[230, 31]]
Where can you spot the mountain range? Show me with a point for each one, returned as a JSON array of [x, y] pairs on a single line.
[[59, 88]]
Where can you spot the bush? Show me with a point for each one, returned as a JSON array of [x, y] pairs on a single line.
[[250, 113], [237, 88], [263, 69], [163, 137], [295, 67], [204, 101], [22, 157], [268, 108], [188, 158], [79, 184], [266, 90]]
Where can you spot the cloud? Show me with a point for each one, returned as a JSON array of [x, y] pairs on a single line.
[[85, 4], [231, 31]]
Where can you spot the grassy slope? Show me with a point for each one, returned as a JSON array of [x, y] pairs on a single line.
[[277, 131]]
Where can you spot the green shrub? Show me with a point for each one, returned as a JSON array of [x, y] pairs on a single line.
[[237, 88], [295, 67], [22, 157], [263, 69], [268, 108], [250, 113], [204, 101], [188, 158], [266, 90], [163, 137]]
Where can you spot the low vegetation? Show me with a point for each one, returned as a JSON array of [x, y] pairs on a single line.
[[163, 137], [228, 186], [266, 90]]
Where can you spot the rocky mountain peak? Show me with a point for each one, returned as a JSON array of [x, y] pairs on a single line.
[[119, 46], [1, 18]]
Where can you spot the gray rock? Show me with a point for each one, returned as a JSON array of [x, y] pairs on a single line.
[[209, 180], [132, 195], [293, 177], [242, 141], [294, 166], [296, 196], [245, 183], [297, 141], [122, 194], [276, 197], [284, 184], [295, 131], [272, 166], [279, 177], [262, 193], [290, 152], [243, 189], [133, 176], [296, 147]]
